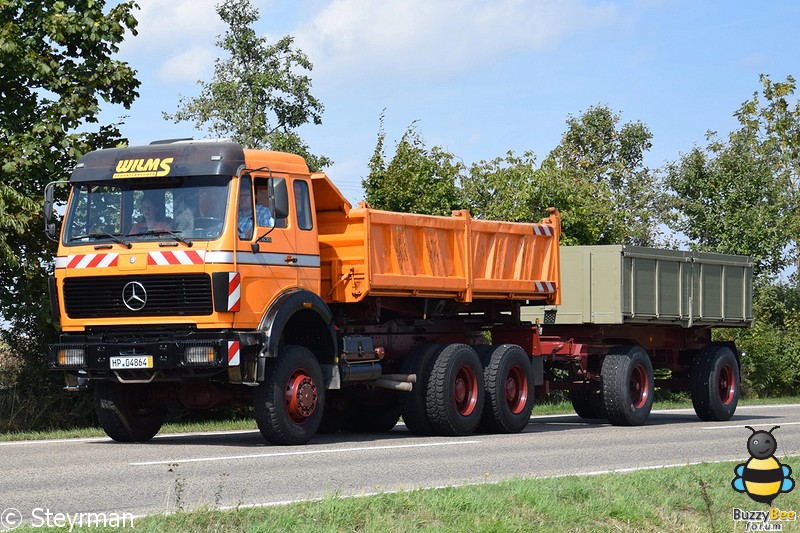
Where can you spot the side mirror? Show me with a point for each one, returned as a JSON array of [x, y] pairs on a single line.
[[279, 193], [49, 203]]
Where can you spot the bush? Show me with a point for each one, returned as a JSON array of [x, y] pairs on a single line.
[[771, 365]]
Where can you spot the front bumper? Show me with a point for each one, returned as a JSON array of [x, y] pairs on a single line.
[[170, 355]]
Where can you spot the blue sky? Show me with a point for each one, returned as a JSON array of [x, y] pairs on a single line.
[[481, 77]]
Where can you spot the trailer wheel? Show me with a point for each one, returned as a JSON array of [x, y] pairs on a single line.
[[289, 403], [587, 404], [627, 377], [455, 391], [413, 404], [125, 413], [715, 384], [508, 377]]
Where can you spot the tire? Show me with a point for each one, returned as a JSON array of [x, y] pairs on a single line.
[[125, 413], [413, 405], [289, 404], [587, 404], [455, 391], [627, 380], [508, 380], [715, 384]]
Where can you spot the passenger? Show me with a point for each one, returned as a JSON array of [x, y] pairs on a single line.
[[184, 216], [210, 203], [153, 218]]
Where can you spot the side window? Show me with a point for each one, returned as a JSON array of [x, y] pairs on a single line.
[[245, 214], [302, 203]]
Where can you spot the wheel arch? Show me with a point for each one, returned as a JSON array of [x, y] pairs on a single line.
[[301, 318]]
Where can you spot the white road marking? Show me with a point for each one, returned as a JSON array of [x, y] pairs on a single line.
[[305, 452], [752, 425]]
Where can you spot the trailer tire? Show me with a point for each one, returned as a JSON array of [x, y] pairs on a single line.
[[455, 391], [627, 378], [413, 405], [124, 414], [715, 383], [587, 404], [289, 404], [508, 379]]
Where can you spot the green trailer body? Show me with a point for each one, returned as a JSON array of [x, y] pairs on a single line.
[[636, 285]]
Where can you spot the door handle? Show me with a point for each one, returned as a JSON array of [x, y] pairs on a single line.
[[290, 259]]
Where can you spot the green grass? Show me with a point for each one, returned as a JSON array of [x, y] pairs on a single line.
[[248, 424], [692, 498]]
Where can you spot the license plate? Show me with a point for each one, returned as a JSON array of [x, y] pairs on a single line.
[[131, 362]]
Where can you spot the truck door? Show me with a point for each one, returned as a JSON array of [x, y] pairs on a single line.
[[265, 248], [306, 242]]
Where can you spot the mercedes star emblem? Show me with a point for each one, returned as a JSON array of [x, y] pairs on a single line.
[[134, 296]]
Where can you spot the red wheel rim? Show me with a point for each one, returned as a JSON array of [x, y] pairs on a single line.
[[516, 389], [640, 389], [301, 396], [465, 390], [727, 385]]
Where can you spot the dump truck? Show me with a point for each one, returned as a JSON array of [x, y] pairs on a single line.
[[204, 274]]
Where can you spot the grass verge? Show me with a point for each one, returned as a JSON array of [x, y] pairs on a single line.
[[691, 498]]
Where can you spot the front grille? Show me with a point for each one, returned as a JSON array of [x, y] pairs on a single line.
[[166, 295]]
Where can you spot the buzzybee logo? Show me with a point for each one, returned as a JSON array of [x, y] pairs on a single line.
[[762, 477]]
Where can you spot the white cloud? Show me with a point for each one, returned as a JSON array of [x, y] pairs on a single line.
[[175, 40], [188, 66], [420, 38], [165, 26]]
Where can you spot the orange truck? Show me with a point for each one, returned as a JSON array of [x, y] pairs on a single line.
[[204, 274]]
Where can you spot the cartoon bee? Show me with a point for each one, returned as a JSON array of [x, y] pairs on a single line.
[[762, 477]]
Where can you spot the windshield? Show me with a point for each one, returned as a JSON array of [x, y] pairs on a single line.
[[131, 210]]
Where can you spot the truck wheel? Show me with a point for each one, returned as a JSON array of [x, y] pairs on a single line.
[[413, 404], [125, 413], [587, 404], [627, 376], [715, 384], [455, 391], [289, 403], [508, 378]]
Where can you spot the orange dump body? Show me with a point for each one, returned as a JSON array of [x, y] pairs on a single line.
[[367, 252]]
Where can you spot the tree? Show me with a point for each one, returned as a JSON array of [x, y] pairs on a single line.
[[618, 197], [416, 180], [56, 67], [740, 195], [258, 95], [501, 189]]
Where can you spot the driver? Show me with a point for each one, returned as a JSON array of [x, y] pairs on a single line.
[[263, 215]]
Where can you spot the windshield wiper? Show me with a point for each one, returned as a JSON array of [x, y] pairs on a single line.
[[173, 234], [101, 235]]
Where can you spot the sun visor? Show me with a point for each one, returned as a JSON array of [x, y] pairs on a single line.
[[160, 160]]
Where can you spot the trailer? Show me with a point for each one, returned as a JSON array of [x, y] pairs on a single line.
[[204, 274], [629, 313]]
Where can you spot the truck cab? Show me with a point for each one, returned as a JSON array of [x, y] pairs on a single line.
[[169, 259]]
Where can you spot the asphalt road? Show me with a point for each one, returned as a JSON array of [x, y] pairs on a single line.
[[239, 468]]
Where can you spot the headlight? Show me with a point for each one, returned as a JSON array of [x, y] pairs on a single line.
[[71, 356], [199, 355]]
